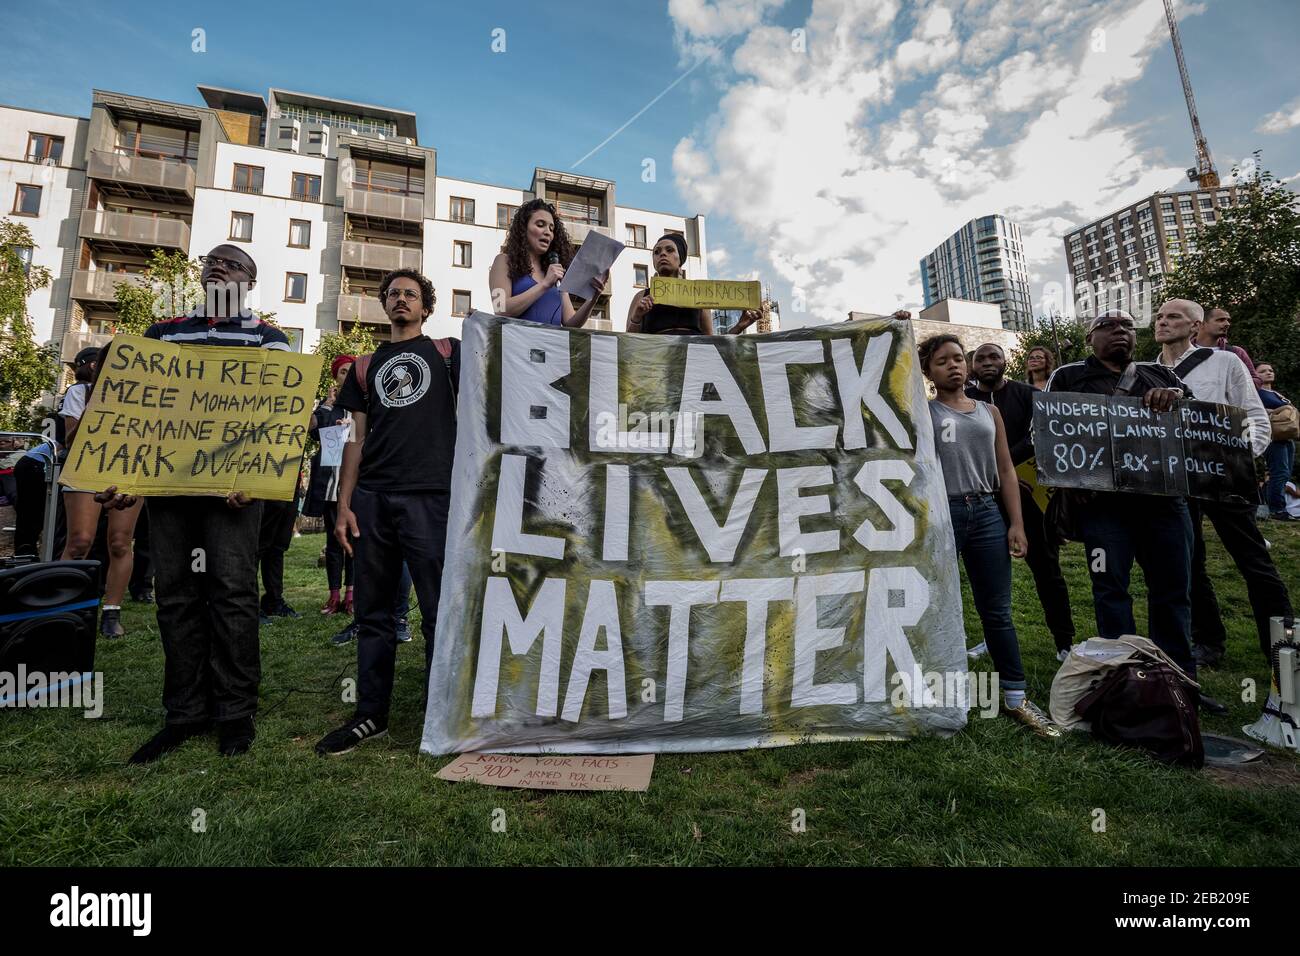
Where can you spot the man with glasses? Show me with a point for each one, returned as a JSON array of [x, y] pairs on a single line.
[[1216, 375], [207, 609], [1119, 527], [394, 488]]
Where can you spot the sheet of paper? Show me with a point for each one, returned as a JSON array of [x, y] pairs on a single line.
[[595, 772], [596, 254], [332, 440]]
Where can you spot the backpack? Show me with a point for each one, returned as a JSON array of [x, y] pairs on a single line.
[[1284, 422], [361, 368], [1133, 695]]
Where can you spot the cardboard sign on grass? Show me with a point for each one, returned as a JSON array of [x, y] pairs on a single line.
[[705, 293], [553, 773], [169, 419]]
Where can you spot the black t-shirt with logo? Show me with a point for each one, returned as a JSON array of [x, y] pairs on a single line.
[[410, 416]]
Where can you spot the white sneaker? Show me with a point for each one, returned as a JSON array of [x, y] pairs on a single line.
[[978, 651], [1061, 655]]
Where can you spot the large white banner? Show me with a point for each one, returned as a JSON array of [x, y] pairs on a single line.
[[675, 543]]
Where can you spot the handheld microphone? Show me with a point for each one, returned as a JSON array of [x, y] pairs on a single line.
[[552, 259]]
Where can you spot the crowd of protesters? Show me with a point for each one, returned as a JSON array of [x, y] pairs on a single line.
[[385, 507]]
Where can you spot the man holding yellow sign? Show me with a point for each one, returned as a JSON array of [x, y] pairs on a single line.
[[202, 432], [674, 305]]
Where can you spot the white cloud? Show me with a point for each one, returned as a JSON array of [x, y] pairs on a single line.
[[718, 259], [1288, 117], [843, 188]]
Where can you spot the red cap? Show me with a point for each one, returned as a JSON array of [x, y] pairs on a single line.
[[339, 362]]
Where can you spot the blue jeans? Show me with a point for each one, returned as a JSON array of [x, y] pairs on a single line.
[[1280, 458], [982, 543], [1155, 531]]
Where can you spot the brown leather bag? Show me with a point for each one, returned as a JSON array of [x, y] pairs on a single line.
[[1147, 705], [1284, 422]]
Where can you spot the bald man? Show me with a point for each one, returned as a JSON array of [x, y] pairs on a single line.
[[1215, 375]]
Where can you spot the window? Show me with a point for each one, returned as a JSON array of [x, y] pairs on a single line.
[[505, 214], [299, 233], [287, 134], [460, 302], [248, 179], [294, 336], [576, 208], [462, 210], [642, 276], [678, 232], [295, 287], [462, 254], [27, 200], [241, 226], [314, 137], [636, 236], [42, 147], [377, 176], [306, 186], [25, 257]]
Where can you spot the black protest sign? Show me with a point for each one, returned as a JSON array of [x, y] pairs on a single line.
[[1113, 443]]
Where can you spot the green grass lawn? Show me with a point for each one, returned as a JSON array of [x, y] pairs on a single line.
[[992, 794]]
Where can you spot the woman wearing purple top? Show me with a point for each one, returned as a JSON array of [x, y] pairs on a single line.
[[524, 277]]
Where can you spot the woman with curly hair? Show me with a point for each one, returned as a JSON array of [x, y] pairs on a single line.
[[646, 315], [1039, 365], [525, 276]]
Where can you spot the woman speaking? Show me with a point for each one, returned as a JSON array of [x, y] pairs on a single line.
[[646, 315], [524, 277]]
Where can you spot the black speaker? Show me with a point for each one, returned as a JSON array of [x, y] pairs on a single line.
[[48, 613]]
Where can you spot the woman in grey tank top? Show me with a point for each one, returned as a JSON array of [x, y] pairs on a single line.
[[971, 446]]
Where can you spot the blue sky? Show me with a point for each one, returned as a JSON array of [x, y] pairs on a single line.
[[827, 163]]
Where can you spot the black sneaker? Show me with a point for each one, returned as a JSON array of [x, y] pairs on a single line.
[[1211, 706], [1207, 656], [264, 619], [110, 623], [143, 596], [403, 631], [345, 636], [234, 737], [346, 738], [284, 610], [167, 739]]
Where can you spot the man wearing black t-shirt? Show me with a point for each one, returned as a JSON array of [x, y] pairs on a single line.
[[394, 490]]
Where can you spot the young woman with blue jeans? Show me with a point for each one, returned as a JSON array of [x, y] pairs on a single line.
[[971, 445]]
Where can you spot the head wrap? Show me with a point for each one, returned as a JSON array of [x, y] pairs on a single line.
[[339, 362], [679, 241]]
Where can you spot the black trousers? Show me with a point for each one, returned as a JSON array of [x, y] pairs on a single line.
[[142, 569], [207, 606], [338, 564], [395, 527], [274, 538], [1241, 537], [33, 497], [1044, 560]]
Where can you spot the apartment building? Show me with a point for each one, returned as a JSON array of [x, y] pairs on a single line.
[[326, 195], [1118, 261], [983, 261]]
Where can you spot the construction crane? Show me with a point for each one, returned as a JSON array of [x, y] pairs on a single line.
[[1203, 173]]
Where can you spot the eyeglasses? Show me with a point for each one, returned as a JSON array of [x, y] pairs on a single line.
[[410, 295], [1106, 325], [227, 263]]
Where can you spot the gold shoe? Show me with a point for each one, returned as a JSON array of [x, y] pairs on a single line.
[[1033, 718]]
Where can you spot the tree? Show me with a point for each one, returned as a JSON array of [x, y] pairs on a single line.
[[356, 341], [26, 369], [1067, 341], [171, 286], [1249, 263]]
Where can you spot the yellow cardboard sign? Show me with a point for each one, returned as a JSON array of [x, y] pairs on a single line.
[[706, 293], [1041, 494], [194, 420]]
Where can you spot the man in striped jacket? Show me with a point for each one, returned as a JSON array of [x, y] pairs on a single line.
[[205, 551]]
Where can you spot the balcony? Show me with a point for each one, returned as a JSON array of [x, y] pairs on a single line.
[[362, 308], [75, 342], [578, 231], [100, 285], [126, 232], [377, 257], [141, 177], [369, 204]]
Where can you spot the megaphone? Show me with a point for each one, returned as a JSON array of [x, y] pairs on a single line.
[[1279, 725]]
